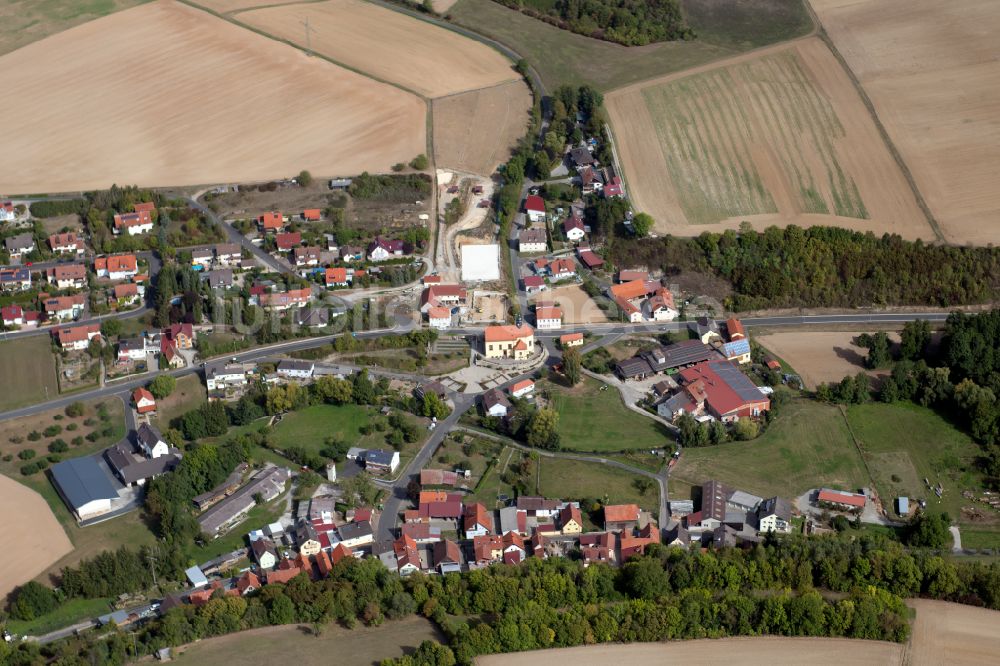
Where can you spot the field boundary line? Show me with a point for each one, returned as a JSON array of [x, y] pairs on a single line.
[[883, 132], [857, 444], [298, 47], [240, 10]]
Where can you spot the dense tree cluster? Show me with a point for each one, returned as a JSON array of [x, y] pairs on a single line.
[[628, 22], [825, 266]]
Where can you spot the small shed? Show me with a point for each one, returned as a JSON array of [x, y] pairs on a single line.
[[196, 577], [903, 505]]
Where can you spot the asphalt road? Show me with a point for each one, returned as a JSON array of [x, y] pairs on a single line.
[[238, 238]]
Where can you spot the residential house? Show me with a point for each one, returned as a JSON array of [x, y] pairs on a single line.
[[582, 158], [574, 229], [306, 256], [737, 351], [281, 301], [271, 221], [571, 340], [532, 240], [76, 337], [517, 342], [381, 249], [725, 392], [495, 403], [447, 557], [311, 214], [131, 349], [287, 241], [307, 540], [15, 279], [538, 507], [534, 284], [613, 188], [294, 369], [64, 307], [312, 317], [707, 329], [19, 245], [228, 254], [151, 441], [660, 307], [570, 519], [222, 375], [181, 335], [514, 550], [621, 517], [12, 315], [336, 277], [134, 470], [439, 317], [248, 582], [562, 269], [265, 552], [379, 461], [633, 546], [774, 515], [590, 180], [548, 318], [407, 555], [522, 389], [442, 295], [135, 223], [143, 401], [477, 521], [487, 549], [66, 243], [124, 294], [678, 536], [268, 483], [534, 208], [116, 266], [219, 279], [202, 256], [67, 276], [355, 535], [735, 330], [599, 548]]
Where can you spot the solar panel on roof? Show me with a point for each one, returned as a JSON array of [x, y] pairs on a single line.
[[737, 381]]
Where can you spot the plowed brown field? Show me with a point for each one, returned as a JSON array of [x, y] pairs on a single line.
[[779, 136], [164, 94], [475, 131], [930, 69], [388, 45]]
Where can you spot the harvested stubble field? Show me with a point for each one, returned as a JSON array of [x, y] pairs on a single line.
[[200, 101], [930, 71], [476, 130], [34, 537], [819, 356], [757, 650], [388, 45], [776, 137], [945, 633]]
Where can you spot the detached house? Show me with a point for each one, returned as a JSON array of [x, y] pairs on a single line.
[[574, 229], [336, 277], [20, 245], [306, 256], [548, 318], [15, 279], [181, 335], [125, 294], [381, 249], [516, 342], [116, 266], [285, 300], [534, 208], [477, 521], [67, 276], [532, 240], [64, 307], [67, 243], [442, 295], [439, 317], [562, 269], [271, 221], [495, 403], [76, 337], [287, 241]]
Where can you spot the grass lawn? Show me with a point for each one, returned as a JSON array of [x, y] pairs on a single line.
[[28, 21], [594, 420], [30, 360], [808, 446], [572, 480], [189, 394], [451, 454], [980, 538], [905, 443], [491, 486], [68, 613], [562, 57], [405, 360]]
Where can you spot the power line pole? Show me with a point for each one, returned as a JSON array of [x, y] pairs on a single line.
[[309, 32]]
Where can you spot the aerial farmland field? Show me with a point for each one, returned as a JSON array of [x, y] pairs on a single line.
[[776, 137], [203, 101], [387, 45], [930, 70], [475, 131]]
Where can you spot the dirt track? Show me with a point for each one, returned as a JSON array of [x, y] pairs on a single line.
[[476, 130], [835, 133], [930, 69], [761, 650], [201, 101], [34, 538], [388, 45]]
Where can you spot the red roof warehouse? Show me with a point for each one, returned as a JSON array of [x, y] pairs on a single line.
[[729, 394]]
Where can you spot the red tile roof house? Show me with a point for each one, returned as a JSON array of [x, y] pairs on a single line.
[[439, 317], [448, 295], [311, 214], [574, 229], [181, 335], [116, 266], [135, 223], [76, 337], [285, 300], [125, 294], [306, 256], [621, 517], [734, 327], [560, 269], [477, 521], [523, 388], [63, 307], [407, 555], [534, 284], [287, 241], [68, 242], [144, 401], [534, 208], [12, 315], [271, 221], [67, 276], [336, 277]]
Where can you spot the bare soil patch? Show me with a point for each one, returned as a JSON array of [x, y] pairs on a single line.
[[779, 136], [272, 110], [34, 537], [758, 650], [475, 131], [819, 356], [362, 646], [946, 633], [930, 70], [577, 306], [54, 225], [388, 45]]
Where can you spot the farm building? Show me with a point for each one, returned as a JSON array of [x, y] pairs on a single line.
[[841, 499], [85, 486]]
